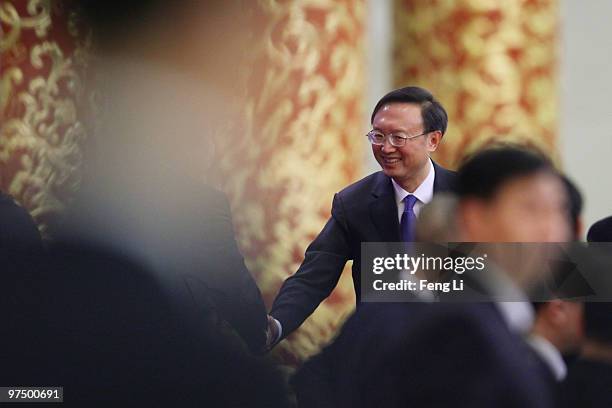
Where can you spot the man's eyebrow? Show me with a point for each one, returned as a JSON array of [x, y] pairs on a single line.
[[396, 130]]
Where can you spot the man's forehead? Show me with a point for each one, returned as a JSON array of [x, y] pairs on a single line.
[[408, 114], [545, 183], [400, 107]]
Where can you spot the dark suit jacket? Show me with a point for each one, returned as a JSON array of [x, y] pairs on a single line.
[[18, 232], [100, 324], [363, 212], [188, 242], [222, 277], [422, 354], [588, 384]]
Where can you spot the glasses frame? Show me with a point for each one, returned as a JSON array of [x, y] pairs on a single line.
[[386, 137]]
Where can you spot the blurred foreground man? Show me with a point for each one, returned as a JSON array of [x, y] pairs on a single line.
[[146, 191], [589, 380], [558, 329], [143, 299], [407, 126], [460, 354]]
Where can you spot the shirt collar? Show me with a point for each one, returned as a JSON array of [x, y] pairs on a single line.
[[550, 355], [517, 315], [424, 192], [512, 303]]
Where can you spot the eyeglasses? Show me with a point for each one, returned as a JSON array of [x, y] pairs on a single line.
[[396, 139]]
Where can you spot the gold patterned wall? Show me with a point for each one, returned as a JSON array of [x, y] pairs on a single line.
[[493, 65], [42, 58], [302, 143]]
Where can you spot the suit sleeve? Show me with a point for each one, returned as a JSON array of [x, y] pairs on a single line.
[[318, 275], [227, 281]]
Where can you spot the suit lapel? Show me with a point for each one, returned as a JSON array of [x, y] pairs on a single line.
[[444, 179], [383, 209]]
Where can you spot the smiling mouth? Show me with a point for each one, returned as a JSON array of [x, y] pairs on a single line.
[[389, 160]]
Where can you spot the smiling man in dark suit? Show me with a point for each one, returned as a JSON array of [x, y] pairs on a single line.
[[407, 126]]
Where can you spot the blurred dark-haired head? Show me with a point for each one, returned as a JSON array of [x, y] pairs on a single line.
[[601, 231], [575, 206], [111, 20], [485, 172], [206, 38], [508, 194]]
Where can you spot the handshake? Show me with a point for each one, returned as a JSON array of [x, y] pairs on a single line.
[[273, 333]]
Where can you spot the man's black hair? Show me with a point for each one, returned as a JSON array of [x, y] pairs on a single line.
[[575, 202], [482, 175], [433, 114], [601, 231]]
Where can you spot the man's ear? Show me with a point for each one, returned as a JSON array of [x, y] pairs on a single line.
[[469, 219], [556, 312], [579, 228], [433, 140]]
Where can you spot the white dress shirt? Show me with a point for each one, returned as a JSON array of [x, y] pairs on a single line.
[[518, 315], [550, 355], [423, 193], [512, 302]]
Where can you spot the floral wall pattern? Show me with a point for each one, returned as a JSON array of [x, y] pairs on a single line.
[[493, 65], [42, 62]]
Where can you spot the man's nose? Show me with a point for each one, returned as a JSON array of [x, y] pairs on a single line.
[[387, 147]]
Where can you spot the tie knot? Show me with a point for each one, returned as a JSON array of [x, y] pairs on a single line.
[[409, 202]]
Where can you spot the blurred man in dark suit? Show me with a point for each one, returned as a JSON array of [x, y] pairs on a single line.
[[143, 298], [454, 354], [558, 332], [589, 380], [558, 328], [145, 191], [18, 232], [407, 126]]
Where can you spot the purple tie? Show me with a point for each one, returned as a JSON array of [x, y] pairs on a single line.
[[408, 219]]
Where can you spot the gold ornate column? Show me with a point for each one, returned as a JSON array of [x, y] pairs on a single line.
[[41, 55], [302, 143], [493, 64]]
